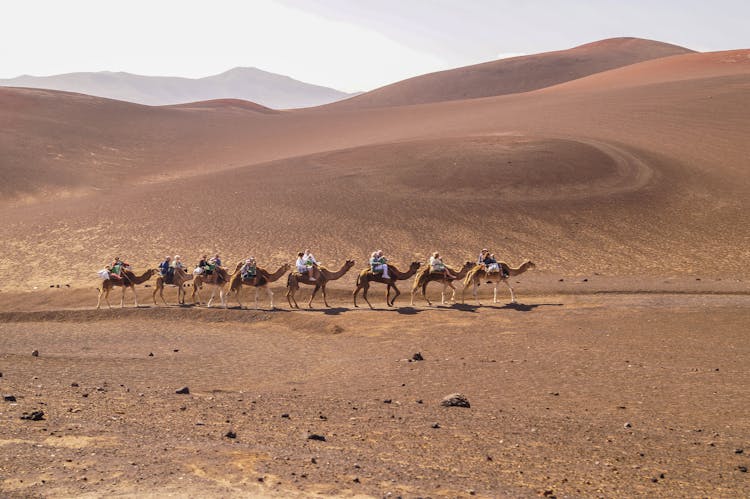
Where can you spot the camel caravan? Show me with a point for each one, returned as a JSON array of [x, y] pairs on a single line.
[[210, 278]]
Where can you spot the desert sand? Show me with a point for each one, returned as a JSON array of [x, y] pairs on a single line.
[[620, 372]]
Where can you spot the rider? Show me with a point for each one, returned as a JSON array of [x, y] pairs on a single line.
[[164, 266], [379, 264], [249, 270], [312, 265], [490, 263], [217, 260], [437, 265], [116, 267], [302, 266]]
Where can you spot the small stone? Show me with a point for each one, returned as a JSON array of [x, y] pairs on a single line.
[[743, 469], [9, 398], [661, 475], [560, 280], [151, 354], [417, 356], [314, 461], [74, 385], [183, 391], [739, 451], [436, 425], [585, 280], [176, 350], [34, 416], [35, 353], [655, 480], [455, 400], [315, 436], [356, 480], [548, 493], [261, 479], [285, 415], [420, 401], [230, 434], [627, 425], [387, 401]]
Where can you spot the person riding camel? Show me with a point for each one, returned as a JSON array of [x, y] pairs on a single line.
[[490, 263], [217, 260], [249, 270], [164, 266], [437, 266], [302, 266], [116, 267], [379, 264], [312, 265]]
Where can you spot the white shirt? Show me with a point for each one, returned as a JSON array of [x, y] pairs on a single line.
[[308, 257], [301, 266]]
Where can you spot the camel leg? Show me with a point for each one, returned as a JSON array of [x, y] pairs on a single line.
[[453, 295], [354, 295], [237, 296], [256, 297], [211, 298], [153, 295], [424, 293], [393, 301], [325, 298], [223, 297], [312, 296], [289, 295], [366, 288], [512, 295], [494, 293], [388, 295], [270, 295]]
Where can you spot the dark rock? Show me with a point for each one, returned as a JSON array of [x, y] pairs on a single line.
[[285, 415], [560, 280], [356, 480], [314, 461], [183, 391], [436, 425], [1, 375], [324, 418], [743, 469], [230, 434], [315, 436], [661, 475], [261, 479], [35, 353], [548, 493], [151, 354], [34, 416], [455, 400], [74, 385], [417, 356], [176, 350], [655, 480], [739, 451], [9, 398], [420, 401], [627, 425], [387, 401]]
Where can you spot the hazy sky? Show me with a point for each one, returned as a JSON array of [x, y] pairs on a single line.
[[346, 44]]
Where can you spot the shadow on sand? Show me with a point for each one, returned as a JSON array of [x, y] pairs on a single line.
[[522, 307]]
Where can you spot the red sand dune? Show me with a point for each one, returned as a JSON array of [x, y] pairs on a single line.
[[514, 75], [608, 178]]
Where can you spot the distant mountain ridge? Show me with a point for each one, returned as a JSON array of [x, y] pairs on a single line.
[[515, 74], [251, 84]]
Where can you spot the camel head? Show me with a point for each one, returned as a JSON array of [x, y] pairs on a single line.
[[529, 264], [467, 266], [349, 264], [414, 266]]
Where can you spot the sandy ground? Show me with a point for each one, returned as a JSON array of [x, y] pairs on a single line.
[[572, 394]]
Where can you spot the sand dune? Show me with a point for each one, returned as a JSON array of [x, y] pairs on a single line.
[[648, 176], [514, 75]]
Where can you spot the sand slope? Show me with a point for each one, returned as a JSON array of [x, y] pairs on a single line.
[[648, 175], [516, 74]]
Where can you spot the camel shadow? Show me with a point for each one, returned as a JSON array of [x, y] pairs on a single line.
[[522, 307]]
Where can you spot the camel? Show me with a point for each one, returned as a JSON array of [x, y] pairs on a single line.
[[426, 276], [366, 276], [222, 277], [295, 279], [128, 280], [478, 274], [180, 277], [261, 280]]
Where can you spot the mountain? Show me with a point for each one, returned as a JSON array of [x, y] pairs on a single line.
[[251, 84], [516, 74]]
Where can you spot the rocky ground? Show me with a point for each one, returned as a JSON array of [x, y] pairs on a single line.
[[571, 395]]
